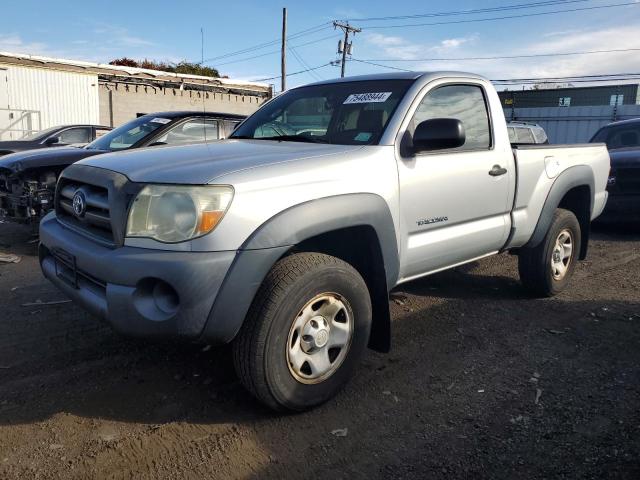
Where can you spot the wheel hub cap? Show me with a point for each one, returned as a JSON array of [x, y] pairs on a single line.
[[562, 254], [315, 334], [319, 338]]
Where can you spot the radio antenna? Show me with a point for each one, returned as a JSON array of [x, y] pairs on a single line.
[[204, 91]]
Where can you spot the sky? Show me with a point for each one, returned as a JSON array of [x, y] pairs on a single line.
[[171, 31]]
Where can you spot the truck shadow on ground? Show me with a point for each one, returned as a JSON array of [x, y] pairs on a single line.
[[80, 366], [465, 282]]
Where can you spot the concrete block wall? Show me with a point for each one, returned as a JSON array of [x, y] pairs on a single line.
[[120, 103]]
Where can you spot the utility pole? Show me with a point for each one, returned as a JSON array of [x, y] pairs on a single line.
[[346, 46], [283, 52]]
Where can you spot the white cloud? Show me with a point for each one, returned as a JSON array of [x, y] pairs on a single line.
[[385, 40], [120, 36], [15, 44], [101, 44], [579, 41], [455, 42], [400, 48], [620, 37]]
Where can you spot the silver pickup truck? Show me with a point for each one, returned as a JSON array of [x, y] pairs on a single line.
[[286, 238]]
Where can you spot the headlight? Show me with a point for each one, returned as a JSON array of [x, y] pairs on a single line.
[[175, 213]]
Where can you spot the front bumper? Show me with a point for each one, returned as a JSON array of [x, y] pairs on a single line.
[[140, 292], [621, 209]]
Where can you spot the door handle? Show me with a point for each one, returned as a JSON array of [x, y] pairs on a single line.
[[497, 170]]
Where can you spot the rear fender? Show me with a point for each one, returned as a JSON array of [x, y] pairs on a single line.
[[578, 176]]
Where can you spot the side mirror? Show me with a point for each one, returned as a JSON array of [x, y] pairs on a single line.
[[438, 134], [52, 140]]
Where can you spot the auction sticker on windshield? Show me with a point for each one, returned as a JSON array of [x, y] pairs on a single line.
[[163, 121], [371, 97]]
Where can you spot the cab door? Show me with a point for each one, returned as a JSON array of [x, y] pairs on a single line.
[[454, 203]]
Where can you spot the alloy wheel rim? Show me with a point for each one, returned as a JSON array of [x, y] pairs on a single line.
[[561, 254], [319, 338]]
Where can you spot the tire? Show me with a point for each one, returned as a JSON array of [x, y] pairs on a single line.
[[540, 267], [281, 352]]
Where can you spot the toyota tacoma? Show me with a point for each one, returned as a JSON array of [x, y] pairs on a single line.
[[286, 238]]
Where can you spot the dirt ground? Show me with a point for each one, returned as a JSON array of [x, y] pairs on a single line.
[[482, 382]]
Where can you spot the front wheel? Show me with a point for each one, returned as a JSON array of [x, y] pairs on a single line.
[[547, 268], [304, 333]]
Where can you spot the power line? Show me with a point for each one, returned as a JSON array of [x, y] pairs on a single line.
[[308, 31], [294, 73], [272, 52], [303, 63], [558, 80], [380, 65], [612, 77], [517, 6], [506, 17], [533, 55], [570, 77]]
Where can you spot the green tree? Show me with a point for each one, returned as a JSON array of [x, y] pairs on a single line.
[[188, 68]]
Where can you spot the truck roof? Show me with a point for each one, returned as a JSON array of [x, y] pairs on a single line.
[[400, 76], [622, 122]]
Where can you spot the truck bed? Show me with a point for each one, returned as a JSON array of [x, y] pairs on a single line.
[[538, 167]]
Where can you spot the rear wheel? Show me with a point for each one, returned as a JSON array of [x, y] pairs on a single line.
[[304, 333], [547, 268]]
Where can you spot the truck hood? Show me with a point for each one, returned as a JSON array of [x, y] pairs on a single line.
[[45, 157], [200, 164]]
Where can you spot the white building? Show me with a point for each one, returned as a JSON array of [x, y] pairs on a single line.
[[40, 92]]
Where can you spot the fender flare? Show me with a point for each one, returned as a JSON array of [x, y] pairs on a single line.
[[269, 242], [577, 176]]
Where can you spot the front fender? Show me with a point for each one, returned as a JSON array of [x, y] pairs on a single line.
[[276, 236]]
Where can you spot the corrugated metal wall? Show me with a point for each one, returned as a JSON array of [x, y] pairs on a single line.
[[572, 124], [60, 97]]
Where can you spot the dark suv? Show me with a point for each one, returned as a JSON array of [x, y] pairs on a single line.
[[623, 141]]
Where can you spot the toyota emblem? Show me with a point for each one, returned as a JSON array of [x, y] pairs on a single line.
[[79, 204]]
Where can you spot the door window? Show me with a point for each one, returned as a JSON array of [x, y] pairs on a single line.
[[622, 136], [463, 102], [75, 135], [196, 130]]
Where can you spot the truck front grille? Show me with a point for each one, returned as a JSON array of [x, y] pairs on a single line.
[[107, 196], [95, 218]]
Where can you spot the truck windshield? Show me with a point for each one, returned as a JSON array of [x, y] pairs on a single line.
[[128, 134], [349, 113], [619, 136]]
